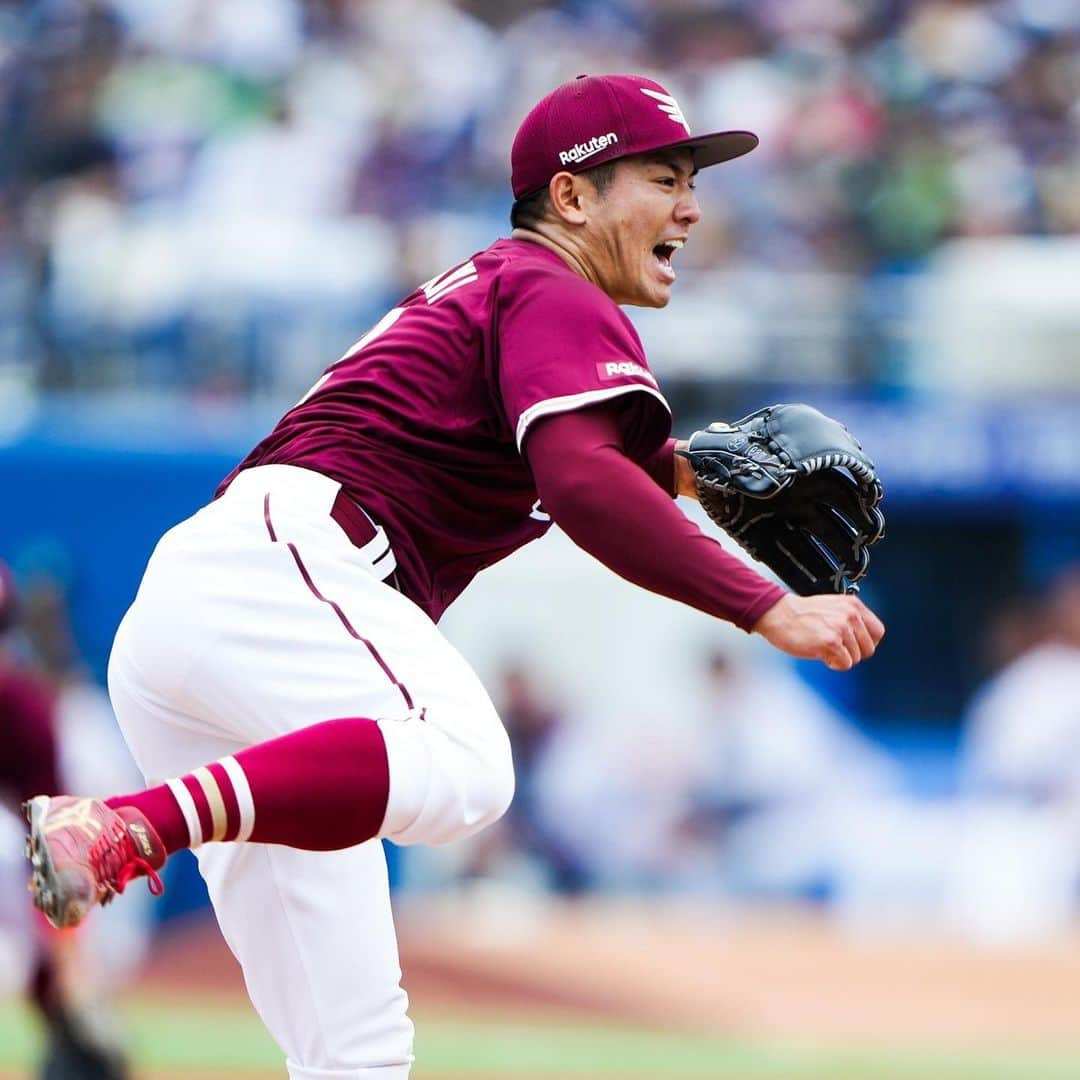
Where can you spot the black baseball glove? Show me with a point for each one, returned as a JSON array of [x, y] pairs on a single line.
[[795, 489]]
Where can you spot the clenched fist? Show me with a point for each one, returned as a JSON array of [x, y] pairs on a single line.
[[837, 630]]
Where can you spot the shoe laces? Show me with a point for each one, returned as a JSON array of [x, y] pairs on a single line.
[[116, 862]]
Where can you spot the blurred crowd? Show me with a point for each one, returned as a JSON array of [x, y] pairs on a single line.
[[218, 196], [762, 789]]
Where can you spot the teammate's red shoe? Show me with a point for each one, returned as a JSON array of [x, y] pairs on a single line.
[[82, 853]]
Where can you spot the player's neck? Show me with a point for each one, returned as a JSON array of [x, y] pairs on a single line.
[[553, 241]]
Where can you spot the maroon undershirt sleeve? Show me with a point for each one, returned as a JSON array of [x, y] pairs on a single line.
[[615, 510], [661, 467]]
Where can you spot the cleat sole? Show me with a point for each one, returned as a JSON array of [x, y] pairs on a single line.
[[43, 884]]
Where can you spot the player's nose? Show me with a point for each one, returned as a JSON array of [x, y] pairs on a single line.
[[688, 211]]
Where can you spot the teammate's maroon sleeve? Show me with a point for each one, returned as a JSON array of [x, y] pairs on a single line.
[[610, 507], [28, 765]]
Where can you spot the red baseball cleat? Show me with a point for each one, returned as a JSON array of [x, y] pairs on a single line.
[[82, 853]]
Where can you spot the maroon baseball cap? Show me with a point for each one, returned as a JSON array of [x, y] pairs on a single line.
[[598, 118]]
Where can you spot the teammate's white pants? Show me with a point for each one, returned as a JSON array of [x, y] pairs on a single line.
[[256, 617]]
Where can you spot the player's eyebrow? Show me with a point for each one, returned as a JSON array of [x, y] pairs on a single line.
[[672, 162]]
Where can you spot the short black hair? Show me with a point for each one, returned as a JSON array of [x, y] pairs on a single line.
[[532, 208]]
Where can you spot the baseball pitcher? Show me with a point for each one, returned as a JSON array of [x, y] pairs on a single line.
[[280, 676]]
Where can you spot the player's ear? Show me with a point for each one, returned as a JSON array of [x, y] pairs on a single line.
[[565, 191]]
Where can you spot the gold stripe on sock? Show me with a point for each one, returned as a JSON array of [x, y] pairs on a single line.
[[213, 796]]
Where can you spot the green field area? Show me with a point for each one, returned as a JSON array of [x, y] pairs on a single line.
[[224, 1039]]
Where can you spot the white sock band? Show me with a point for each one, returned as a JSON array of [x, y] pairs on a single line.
[[242, 790], [187, 808]]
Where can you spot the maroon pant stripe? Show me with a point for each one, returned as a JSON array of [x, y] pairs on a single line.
[[202, 807], [402, 688], [266, 518]]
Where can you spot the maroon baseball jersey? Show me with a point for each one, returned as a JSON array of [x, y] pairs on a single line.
[[423, 420]]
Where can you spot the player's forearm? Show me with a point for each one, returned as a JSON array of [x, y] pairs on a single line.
[[662, 467], [610, 508]]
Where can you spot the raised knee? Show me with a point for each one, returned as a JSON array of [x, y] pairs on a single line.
[[494, 786], [443, 789]]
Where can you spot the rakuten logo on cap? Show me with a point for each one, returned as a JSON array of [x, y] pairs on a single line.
[[581, 151]]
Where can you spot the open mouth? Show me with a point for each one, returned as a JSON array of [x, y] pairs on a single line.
[[663, 253]]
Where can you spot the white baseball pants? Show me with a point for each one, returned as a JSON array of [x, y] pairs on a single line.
[[256, 617]]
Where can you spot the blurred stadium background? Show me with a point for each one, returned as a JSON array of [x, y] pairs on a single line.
[[718, 864]]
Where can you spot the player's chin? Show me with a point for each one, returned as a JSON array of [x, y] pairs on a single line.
[[657, 298], [660, 283], [653, 293]]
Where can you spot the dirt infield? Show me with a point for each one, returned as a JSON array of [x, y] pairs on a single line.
[[783, 975], [517, 990], [787, 975]]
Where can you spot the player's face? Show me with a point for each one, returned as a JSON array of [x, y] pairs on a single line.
[[636, 227]]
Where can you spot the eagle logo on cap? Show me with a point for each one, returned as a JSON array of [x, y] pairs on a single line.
[[667, 104]]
